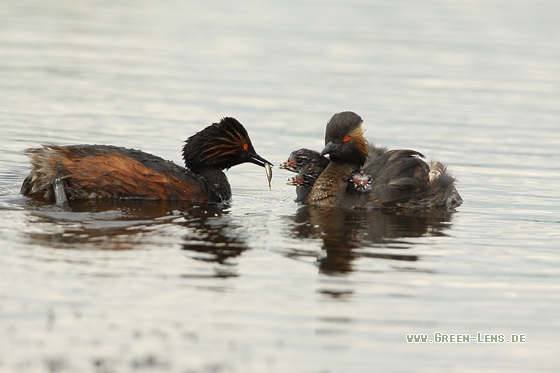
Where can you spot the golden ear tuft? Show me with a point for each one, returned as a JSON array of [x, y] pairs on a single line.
[[357, 135]]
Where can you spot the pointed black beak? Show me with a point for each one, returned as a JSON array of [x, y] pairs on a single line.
[[329, 147], [258, 160]]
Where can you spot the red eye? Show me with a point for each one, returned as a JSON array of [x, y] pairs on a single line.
[[245, 146], [346, 138]]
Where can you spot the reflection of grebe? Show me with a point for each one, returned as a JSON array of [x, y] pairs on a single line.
[[103, 171], [399, 178], [207, 232], [348, 234]]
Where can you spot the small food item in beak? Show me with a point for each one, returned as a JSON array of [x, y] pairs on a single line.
[[268, 174]]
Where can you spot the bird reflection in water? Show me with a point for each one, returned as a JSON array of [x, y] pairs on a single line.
[[206, 233], [346, 234], [212, 238]]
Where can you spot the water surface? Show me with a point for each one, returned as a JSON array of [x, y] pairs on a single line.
[[265, 284]]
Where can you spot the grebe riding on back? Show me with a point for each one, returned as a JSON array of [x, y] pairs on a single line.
[[359, 176]]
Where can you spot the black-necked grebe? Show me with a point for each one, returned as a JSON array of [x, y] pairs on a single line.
[[63, 173], [361, 176]]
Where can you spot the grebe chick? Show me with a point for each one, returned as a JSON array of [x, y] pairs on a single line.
[[63, 173], [361, 181], [299, 159], [305, 180]]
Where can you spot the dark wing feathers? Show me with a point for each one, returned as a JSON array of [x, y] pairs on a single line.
[[398, 175]]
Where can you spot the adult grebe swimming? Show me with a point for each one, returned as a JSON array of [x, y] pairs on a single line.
[[62, 173]]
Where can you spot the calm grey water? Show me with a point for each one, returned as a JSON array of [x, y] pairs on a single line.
[[265, 285]]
